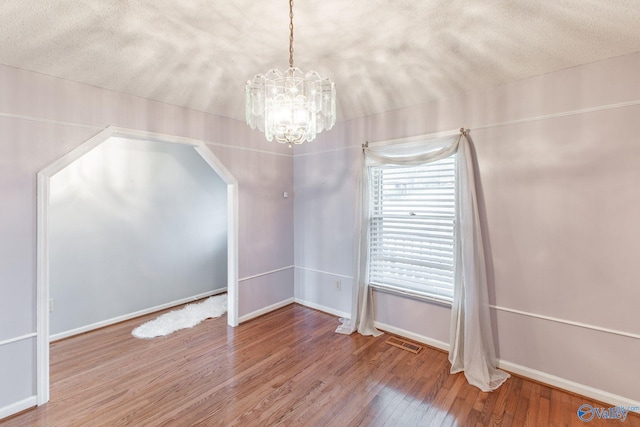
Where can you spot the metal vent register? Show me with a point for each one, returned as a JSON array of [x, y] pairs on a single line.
[[405, 345]]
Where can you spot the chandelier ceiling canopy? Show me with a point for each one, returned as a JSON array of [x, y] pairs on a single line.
[[290, 106]]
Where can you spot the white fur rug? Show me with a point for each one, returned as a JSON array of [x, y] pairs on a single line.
[[187, 317]]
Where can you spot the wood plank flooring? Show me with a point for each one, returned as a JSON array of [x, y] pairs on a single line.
[[285, 368]]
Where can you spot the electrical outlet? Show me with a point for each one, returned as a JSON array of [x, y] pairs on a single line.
[[51, 305], [338, 284]]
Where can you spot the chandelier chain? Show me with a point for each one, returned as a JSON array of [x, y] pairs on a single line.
[[290, 33]]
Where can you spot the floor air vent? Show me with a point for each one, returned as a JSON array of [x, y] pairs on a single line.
[[405, 345]]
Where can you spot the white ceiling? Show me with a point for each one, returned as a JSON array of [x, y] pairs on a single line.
[[382, 54]]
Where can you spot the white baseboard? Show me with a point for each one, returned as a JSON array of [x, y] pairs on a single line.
[[552, 380], [14, 408], [412, 336], [323, 308], [265, 310], [562, 383], [97, 325]]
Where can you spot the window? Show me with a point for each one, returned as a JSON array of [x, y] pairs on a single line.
[[411, 239]]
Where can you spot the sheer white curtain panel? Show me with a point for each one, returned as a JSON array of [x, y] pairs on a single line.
[[471, 337]]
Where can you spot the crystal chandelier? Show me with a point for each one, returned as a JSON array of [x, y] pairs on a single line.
[[290, 107]]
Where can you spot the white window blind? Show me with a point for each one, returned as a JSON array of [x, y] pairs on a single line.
[[412, 217]]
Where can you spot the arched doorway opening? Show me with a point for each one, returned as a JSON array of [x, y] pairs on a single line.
[[44, 179]]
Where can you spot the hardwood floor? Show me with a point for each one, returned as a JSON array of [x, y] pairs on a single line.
[[285, 368]]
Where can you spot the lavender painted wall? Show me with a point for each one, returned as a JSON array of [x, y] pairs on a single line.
[[559, 163], [42, 118]]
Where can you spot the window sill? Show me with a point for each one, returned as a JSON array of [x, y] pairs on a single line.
[[412, 294]]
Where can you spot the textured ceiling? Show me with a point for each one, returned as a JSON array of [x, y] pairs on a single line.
[[382, 54]]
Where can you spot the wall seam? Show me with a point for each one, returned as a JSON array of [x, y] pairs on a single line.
[[514, 122], [324, 272], [99, 128], [49, 121], [265, 273], [567, 322], [17, 339], [520, 312], [560, 114]]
